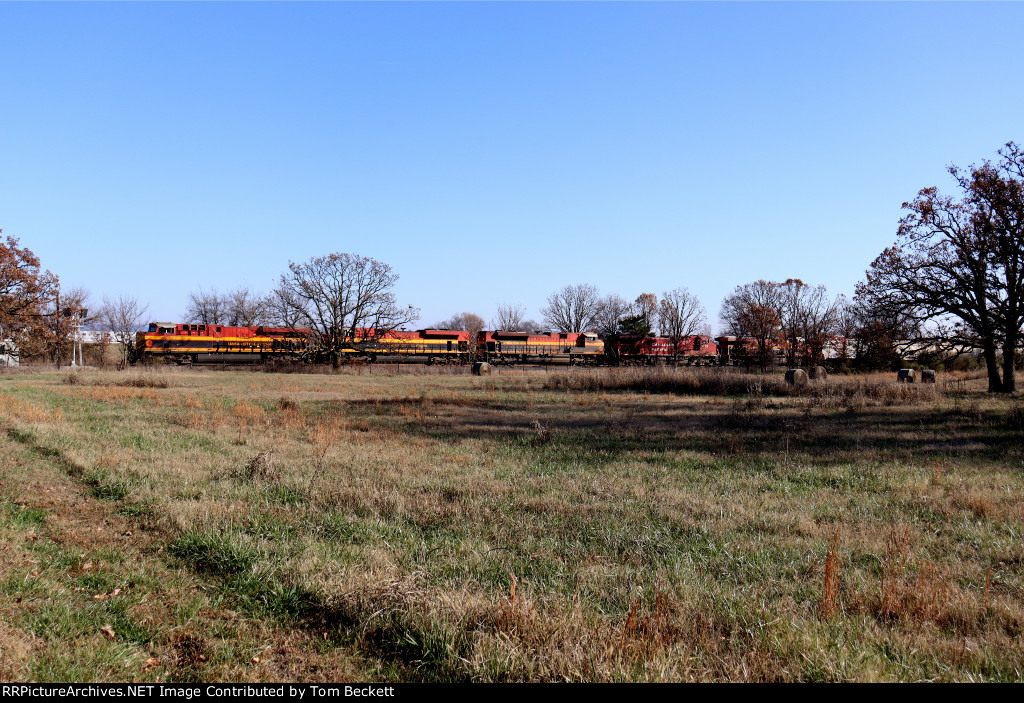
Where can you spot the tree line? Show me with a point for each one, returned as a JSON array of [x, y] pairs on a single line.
[[952, 283]]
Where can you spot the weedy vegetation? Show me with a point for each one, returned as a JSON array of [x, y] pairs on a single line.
[[572, 525]]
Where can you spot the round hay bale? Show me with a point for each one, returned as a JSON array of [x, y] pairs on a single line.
[[482, 368], [818, 373], [928, 376], [906, 376], [796, 377]]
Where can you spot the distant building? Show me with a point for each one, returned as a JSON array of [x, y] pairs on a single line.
[[10, 355], [94, 337]]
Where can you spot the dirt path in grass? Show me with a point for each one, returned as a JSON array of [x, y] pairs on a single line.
[[87, 594]]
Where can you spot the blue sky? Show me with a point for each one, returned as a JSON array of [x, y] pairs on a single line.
[[489, 151]]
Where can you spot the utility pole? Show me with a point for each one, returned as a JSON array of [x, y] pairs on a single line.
[[76, 340]]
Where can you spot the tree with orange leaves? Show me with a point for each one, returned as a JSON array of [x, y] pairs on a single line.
[[26, 292]]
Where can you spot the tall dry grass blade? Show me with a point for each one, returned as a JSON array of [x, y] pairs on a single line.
[[829, 604]]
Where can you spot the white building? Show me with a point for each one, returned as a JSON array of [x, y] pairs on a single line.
[[94, 337], [9, 353]]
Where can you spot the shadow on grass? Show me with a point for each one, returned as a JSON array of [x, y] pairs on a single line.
[[243, 574], [593, 430]]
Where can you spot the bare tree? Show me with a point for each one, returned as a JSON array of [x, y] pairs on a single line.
[[680, 316], [510, 317], [206, 308], [845, 328], [244, 308], [573, 309], [611, 311], [808, 320], [286, 309], [820, 322], [466, 321], [348, 300], [752, 312], [123, 317], [462, 321], [790, 294]]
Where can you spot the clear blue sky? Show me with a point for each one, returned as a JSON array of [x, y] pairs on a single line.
[[489, 151]]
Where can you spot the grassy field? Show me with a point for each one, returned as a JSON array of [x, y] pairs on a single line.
[[572, 525]]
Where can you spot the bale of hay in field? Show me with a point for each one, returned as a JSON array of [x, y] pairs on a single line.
[[482, 368], [906, 376], [796, 377], [928, 376], [818, 373]]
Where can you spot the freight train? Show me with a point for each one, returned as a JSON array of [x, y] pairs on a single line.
[[196, 343]]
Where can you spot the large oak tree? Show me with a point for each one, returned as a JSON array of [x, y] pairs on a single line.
[[955, 268], [346, 299]]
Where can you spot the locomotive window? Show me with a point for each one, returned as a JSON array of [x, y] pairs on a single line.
[[194, 327], [202, 328], [218, 329]]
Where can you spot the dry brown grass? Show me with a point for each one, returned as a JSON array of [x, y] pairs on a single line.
[[29, 412], [119, 394], [144, 380], [836, 391], [446, 527], [918, 592]]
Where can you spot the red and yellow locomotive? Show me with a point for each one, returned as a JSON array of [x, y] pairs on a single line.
[[432, 345], [519, 347], [691, 350], [187, 343], [197, 343]]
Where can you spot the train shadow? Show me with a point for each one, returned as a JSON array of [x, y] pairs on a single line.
[[610, 428]]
